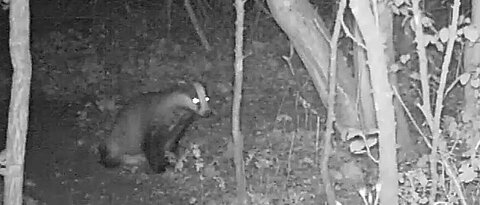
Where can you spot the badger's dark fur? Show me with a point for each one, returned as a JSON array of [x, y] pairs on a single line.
[[152, 124], [164, 139]]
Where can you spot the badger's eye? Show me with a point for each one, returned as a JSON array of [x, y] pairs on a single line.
[[195, 100], [207, 99]]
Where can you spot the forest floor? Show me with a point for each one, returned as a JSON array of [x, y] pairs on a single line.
[[61, 171], [62, 164]]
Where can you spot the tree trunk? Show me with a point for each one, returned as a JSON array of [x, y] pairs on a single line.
[[374, 39], [237, 99], [19, 102], [406, 141], [471, 61], [310, 37]]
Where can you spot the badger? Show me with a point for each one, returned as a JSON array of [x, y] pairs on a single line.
[[154, 123]]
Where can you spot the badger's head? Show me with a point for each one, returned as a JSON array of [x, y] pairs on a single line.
[[192, 97], [201, 100]]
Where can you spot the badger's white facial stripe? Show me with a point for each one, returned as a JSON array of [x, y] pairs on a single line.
[[202, 98]]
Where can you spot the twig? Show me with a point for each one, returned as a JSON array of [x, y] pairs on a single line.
[[317, 140], [262, 7], [426, 108], [350, 35], [290, 152], [451, 86], [203, 11], [367, 147], [194, 21], [288, 59], [422, 58], [280, 106], [332, 83], [440, 95], [169, 17], [321, 30], [453, 177], [446, 63], [410, 116]]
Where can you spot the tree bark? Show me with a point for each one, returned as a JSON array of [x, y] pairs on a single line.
[[406, 141], [471, 61], [196, 25], [18, 114], [332, 84], [310, 37], [237, 99], [368, 22]]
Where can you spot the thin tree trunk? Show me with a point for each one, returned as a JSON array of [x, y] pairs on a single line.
[[472, 60], [368, 23], [406, 141], [169, 17], [196, 25], [237, 98], [18, 114], [332, 85]]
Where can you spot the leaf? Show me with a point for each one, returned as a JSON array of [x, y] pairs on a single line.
[[3, 157], [352, 133], [461, 19], [464, 78], [429, 39], [467, 173], [423, 200], [471, 33], [405, 58], [476, 164], [423, 161], [404, 11], [452, 126], [359, 146], [210, 171], [308, 160], [395, 67], [475, 83], [427, 21], [443, 34], [395, 10], [422, 179], [460, 32], [399, 2], [263, 163], [284, 117], [439, 46], [414, 75]]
